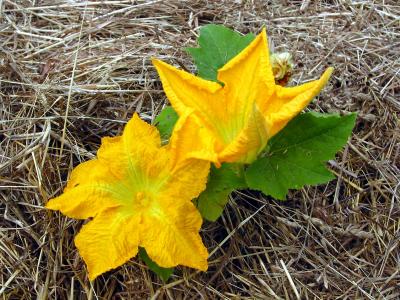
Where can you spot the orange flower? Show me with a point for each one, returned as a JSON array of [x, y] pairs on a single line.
[[239, 116], [139, 194]]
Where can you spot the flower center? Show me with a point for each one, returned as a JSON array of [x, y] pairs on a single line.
[[143, 199]]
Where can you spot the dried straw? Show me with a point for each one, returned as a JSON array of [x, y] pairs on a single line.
[[75, 71]]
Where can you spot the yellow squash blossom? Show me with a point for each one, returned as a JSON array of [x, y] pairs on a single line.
[[139, 195], [242, 113]]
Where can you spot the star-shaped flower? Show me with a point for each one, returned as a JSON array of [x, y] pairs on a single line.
[[139, 194], [245, 109]]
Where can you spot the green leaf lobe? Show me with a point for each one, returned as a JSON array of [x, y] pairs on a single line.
[[297, 155]]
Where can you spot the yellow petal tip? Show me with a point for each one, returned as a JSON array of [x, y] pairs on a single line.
[[329, 71], [155, 61], [325, 76], [264, 31], [51, 204], [159, 64], [204, 266]]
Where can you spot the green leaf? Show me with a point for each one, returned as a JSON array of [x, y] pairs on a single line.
[[218, 45], [221, 183], [163, 273], [165, 121], [296, 156]]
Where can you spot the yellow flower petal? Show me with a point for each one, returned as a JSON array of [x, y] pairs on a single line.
[[242, 77], [178, 242], [249, 143], [135, 132], [132, 155], [287, 102], [184, 184], [197, 94], [184, 142], [108, 241], [88, 191]]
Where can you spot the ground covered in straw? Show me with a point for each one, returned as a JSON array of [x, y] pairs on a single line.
[[73, 72]]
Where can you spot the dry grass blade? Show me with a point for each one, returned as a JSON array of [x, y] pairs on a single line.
[[87, 63]]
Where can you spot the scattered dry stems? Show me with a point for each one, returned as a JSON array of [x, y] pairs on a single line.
[[72, 72]]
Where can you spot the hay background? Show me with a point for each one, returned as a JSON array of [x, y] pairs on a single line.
[[91, 63]]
